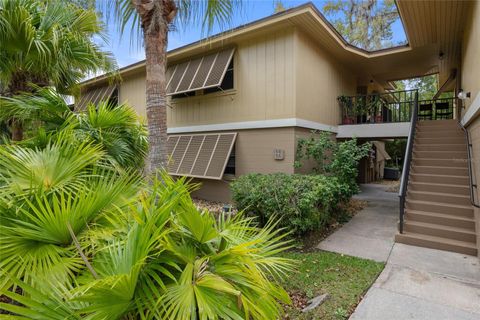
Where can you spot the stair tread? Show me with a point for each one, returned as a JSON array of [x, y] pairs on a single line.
[[471, 245], [443, 138], [439, 226], [429, 159], [440, 194], [452, 205], [438, 175], [445, 151], [440, 215], [441, 184], [436, 167]]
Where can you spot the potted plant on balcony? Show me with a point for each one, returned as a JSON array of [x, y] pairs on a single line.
[[345, 103]]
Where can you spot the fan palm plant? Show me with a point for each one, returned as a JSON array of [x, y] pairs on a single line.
[[116, 129], [48, 43], [50, 198], [154, 18], [170, 261]]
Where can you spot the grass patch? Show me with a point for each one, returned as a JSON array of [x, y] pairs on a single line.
[[344, 278]]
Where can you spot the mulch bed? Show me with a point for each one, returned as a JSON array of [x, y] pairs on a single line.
[[213, 206]]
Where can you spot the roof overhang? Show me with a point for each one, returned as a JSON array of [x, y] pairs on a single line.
[[418, 58]]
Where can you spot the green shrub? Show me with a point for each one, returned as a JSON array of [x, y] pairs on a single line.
[[85, 241], [303, 202], [339, 159]]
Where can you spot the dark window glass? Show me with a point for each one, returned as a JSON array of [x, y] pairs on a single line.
[[230, 168], [227, 82], [113, 100]]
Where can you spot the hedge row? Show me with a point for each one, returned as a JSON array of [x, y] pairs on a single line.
[[302, 202]]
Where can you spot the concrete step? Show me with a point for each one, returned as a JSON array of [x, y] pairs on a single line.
[[439, 197], [438, 230], [451, 155], [440, 218], [440, 140], [441, 147], [454, 189], [439, 178], [447, 171], [440, 133], [458, 210], [458, 163], [439, 243]]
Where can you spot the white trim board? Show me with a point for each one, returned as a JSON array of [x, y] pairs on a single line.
[[374, 130], [472, 112], [275, 123]]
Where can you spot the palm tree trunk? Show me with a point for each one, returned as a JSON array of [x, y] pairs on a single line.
[[155, 30], [16, 129]]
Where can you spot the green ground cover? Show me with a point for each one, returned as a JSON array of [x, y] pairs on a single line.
[[346, 279]]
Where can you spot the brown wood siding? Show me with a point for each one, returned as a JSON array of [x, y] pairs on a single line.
[[470, 82], [471, 57], [264, 86], [132, 91], [320, 80]]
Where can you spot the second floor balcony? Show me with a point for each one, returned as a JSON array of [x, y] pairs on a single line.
[[392, 107]]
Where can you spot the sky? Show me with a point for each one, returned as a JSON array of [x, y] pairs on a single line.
[[127, 52]]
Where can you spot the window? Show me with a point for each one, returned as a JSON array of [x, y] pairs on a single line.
[[201, 73], [227, 82], [95, 95], [200, 155], [230, 167]]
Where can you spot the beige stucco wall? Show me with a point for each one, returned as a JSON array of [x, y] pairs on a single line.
[[254, 154], [320, 79], [264, 86], [470, 82]]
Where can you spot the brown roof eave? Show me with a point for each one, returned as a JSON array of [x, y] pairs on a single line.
[[198, 46]]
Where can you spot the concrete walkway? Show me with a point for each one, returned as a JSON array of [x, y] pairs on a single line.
[[417, 283], [370, 233]]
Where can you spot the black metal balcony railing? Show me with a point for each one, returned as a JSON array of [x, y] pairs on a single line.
[[394, 106]]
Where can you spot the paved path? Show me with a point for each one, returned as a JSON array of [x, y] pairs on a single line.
[[417, 283], [370, 233]]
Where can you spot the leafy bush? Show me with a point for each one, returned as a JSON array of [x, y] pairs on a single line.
[[116, 129], [84, 241], [303, 202], [339, 159]]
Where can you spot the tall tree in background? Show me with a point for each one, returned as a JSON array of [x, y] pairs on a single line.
[[47, 43], [279, 7], [366, 24], [155, 18]]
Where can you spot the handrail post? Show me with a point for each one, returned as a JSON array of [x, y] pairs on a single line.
[[407, 162]]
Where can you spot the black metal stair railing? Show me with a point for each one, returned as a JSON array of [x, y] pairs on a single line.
[[407, 161], [473, 184]]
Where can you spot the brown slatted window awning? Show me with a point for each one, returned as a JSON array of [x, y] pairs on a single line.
[[200, 73], [200, 155], [94, 96]]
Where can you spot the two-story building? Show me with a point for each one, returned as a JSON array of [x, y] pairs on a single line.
[[240, 100]]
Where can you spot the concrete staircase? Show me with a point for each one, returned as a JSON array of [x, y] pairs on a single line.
[[438, 212]]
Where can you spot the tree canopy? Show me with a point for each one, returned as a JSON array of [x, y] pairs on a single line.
[[48, 43], [366, 24]]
